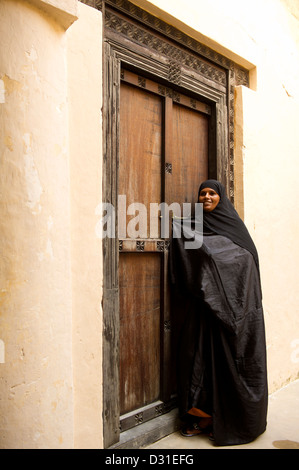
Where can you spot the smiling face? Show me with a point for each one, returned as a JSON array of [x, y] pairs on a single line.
[[209, 199]]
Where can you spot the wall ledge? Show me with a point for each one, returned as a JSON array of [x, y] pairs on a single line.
[[153, 7], [65, 12]]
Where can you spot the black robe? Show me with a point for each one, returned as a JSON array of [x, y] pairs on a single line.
[[222, 361]]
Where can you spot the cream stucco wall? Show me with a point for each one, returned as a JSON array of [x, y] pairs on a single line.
[[50, 185], [85, 118], [262, 35]]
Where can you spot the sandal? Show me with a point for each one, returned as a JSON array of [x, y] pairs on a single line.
[[189, 431], [195, 429]]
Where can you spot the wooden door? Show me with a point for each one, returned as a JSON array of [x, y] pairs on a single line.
[[163, 156]]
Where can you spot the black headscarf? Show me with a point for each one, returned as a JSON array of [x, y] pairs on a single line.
[[224, 220]]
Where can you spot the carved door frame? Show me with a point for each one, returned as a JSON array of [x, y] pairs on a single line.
[[135, 40]]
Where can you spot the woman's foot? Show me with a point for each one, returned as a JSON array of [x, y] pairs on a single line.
[[202, 427]]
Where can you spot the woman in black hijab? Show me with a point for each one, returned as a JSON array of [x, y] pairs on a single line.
[[222, 374], [224, 219]]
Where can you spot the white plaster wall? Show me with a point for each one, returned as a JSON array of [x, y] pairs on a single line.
[[84, 57], [36, 388], [50, 186], [270, 161], [262, 35]]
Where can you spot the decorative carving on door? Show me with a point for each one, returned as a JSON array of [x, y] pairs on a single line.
[[133, 23]]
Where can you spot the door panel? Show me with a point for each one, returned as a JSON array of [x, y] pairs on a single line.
[[139, 269], [163, 155], [139, 289], [140, 149], [190, 152]]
